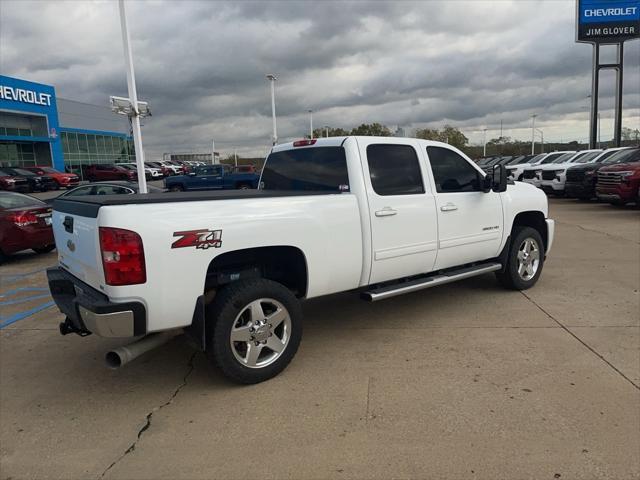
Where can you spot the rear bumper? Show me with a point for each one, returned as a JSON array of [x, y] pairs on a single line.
[[89, 310], [23, 238]]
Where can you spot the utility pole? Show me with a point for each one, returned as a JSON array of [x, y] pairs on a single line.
[[311, 124], [133, 99], [533, 133], [326, 132], [272, 79], [235, 155], [484, 141], [500, 128], [213, 152]]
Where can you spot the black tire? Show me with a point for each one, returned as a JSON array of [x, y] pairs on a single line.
[[243, 186], [232, 301], [176, 188], [46, 249], [510, 278]]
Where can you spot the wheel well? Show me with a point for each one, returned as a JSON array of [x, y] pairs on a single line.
[[283, 264], [534, 220]]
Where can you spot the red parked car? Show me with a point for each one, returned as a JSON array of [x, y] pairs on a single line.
[[619, 184], [13, 183], [25, 223], [62, 179], [101, 172]]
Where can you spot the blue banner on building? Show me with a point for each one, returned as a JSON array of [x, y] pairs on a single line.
[[30, 119]]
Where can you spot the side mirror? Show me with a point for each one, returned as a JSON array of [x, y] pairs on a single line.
[[486, 182], [499, 174]]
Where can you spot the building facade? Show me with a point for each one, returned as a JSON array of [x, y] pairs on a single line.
[[36, 128]]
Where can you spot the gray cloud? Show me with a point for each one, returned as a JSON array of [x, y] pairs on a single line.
[[201, 65]]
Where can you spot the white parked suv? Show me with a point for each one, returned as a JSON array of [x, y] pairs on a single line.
[[554, 175], [531, 174], [514, 171], [381, 216]]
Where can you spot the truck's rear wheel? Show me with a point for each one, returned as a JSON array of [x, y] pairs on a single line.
[[525, 260], [254, 328]]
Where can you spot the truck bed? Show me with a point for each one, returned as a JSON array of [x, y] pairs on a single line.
[[88, 206]]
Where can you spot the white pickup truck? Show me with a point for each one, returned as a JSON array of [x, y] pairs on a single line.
[[379, 216]]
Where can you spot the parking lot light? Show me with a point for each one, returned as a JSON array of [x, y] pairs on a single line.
[[272, 79]]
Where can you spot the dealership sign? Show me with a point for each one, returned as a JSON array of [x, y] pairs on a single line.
[[607, 21], [25, 96]]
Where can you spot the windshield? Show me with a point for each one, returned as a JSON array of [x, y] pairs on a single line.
[[630, 155], [23, 173], [564, 158], [587, 157], [535, 160], [17, 200], [550, 158], [317, 168]]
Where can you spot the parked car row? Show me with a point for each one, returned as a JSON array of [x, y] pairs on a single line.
[[35, 179], [611, 175]]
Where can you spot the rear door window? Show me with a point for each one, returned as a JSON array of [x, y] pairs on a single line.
[[394, 170], [309, 169]]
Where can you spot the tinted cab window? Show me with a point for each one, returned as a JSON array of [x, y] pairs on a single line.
[[451, 172], [394, 170], [314, 169]]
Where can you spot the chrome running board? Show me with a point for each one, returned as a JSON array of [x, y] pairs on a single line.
[[396, 289]]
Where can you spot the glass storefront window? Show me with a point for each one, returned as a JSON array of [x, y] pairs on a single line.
[[83, 147], [91, 140]]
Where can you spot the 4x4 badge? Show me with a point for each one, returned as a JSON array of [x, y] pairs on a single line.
[[201, 239]]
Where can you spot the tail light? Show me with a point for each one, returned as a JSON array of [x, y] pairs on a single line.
[[304, 143], [122, 257], [22, 219]]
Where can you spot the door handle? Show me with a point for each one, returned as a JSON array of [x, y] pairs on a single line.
[[386, 212], [449, 207]]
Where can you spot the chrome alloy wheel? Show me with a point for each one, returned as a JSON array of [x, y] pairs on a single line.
[[528, 259], [260, 333]]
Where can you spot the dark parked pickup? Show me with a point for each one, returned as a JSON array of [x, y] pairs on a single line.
[[212, 177], [582, 178]]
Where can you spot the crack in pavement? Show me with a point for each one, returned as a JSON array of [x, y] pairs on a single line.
[[147, 424], [585, 344], [617, 237]]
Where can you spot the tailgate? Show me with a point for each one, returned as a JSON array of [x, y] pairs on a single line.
[[78, 246]]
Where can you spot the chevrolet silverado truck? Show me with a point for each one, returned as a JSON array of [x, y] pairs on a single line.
[[229, 269], [212, 177]]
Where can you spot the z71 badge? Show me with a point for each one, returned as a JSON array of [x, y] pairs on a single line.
[[201, 239]]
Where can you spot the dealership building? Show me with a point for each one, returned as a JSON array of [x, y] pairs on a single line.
[[37, 128]]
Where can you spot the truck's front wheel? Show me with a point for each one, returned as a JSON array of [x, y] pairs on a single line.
[[254, 328], [525, 259]]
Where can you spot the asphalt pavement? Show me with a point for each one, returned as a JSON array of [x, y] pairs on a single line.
[[462, 381]]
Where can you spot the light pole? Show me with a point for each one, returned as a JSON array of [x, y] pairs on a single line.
[[326, 131], [272, 79], [311, 124], [235, 156], [484, 141], [541, 139], [133, 99], [213, 152], [533, 133]]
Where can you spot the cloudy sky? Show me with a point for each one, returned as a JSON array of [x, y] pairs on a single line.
[[202, 65]]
